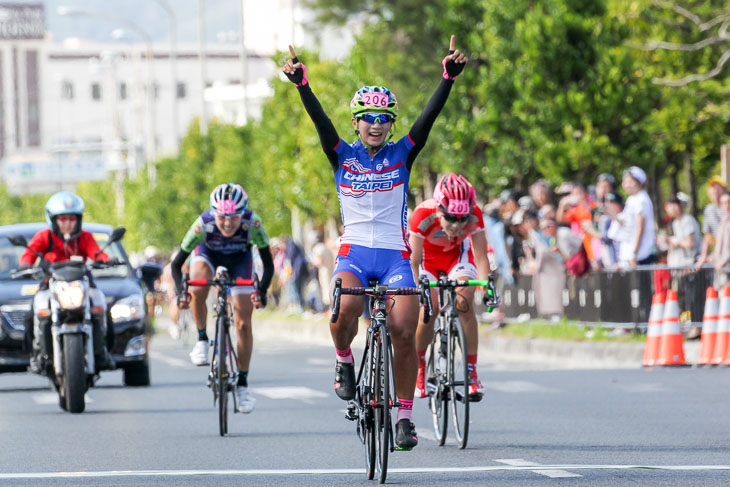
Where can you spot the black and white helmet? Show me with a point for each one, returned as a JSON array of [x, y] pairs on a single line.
[[228, 199]]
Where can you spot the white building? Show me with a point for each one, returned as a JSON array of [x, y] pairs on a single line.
[[76, 110]]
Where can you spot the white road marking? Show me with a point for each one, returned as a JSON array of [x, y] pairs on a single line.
[[52, 398], [319, 361], [349, 471], [290, 393], [516, 386], [519, 462], [174, 361]]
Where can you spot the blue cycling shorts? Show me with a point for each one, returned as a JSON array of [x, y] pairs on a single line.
[[239, 264], [391, 267]]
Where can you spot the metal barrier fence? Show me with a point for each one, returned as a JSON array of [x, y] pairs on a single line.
[[616, 299]]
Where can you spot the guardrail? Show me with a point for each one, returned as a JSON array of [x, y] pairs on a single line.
[[615, 299]]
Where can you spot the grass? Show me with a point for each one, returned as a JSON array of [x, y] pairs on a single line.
[[565, 330]]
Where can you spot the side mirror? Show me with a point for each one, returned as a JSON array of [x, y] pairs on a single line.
[[18, 240], [117, 234]]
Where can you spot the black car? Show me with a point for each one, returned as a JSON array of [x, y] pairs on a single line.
[[124, 291]]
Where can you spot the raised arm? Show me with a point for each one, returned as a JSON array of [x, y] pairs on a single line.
[[297, 74], [453, 65]]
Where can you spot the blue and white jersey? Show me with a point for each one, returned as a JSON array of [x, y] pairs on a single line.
[[372, 194]]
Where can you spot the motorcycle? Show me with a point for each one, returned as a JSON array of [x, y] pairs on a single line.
[[70, 309]]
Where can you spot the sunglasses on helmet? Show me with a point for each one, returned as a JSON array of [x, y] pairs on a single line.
[[376, 118]]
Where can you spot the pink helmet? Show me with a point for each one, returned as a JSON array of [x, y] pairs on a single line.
[[455, 195]]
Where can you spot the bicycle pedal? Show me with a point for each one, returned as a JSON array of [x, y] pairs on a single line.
[[351, 412], [400, 448]]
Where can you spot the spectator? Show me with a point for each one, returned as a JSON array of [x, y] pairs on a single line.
[[496, 236], [549, 280], [575, 210], [711, 217], [612, 204], [721, 253], [684, 244], [605, 184], [323, 261], [547, 212], [637, 234], [540, 193]]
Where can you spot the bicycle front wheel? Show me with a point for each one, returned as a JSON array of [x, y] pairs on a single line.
[[436, 386], [222, 379], [459, 382], [368, 377], [383, 427]]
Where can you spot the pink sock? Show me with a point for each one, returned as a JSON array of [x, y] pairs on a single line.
[[405, 410], [345, 356]]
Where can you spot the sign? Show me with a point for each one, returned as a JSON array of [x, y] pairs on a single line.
[[18, 21]]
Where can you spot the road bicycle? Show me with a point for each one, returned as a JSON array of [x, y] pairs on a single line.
[[447, 370], [222, 377], [375, 392]]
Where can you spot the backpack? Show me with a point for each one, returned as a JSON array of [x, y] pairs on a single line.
[[577, 265]]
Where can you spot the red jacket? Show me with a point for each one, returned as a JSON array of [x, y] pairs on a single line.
[[58, 251]]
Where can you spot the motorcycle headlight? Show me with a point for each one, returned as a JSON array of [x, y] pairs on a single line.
[[70, 295], [128, 309]]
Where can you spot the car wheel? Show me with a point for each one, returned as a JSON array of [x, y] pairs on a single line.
[[137, 374]]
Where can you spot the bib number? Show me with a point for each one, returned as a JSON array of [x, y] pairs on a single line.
[[379, 100], [458, 207]]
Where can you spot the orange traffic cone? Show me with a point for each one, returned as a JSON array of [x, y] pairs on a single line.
[[654, 330], [671, 345], [723, 328], [709, 327]]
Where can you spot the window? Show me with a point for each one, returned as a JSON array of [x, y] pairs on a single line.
[[96, 91], [122, 90], [67, 90], [181, 90]]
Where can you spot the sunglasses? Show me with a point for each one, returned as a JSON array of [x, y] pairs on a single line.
[[380, 118], [455, 218], [66, 218], [232, 218]]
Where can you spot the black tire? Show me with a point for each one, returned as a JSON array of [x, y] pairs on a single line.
[[74, 375], [137, 375], [437, 392], [369, 377], [383, 426], [459, 382], [222, 379]]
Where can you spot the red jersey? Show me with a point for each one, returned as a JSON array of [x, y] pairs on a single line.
[[53, 249], [425, 224]]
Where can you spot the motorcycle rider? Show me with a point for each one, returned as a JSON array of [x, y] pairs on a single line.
[[60, 242]]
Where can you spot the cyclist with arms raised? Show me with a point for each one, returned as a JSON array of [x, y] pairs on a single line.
[[372, 176], [447, 235], [223, 236]]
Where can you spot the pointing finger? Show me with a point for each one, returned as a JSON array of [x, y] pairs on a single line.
[[452, 45], [291, 51]]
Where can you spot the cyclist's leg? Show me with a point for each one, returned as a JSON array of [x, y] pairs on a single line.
[[403, 322], [242, 309], [467, 315], [200, 268], [350, 269], [424, 335]]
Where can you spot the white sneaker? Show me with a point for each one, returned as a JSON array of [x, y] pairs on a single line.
[[199, 355], [244, 399]]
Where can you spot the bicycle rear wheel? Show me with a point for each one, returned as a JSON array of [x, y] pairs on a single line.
[[435, 385], [459, 382], [222, 379], [383, 427]]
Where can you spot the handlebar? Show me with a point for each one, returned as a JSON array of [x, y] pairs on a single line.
[[491, 298], [221, 282], [380, 291]]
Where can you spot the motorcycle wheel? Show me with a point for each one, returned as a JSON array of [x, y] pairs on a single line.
[[74, 380]]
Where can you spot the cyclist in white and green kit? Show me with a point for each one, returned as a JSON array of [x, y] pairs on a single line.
[[224, 236]]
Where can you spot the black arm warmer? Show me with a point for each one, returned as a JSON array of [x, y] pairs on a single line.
[[176, 268], [325, 128], [421, 128], [268, 261]]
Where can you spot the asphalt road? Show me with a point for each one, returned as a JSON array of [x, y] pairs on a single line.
[[661, 427]]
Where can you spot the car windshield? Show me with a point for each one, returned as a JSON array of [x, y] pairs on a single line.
[[10, 257]]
